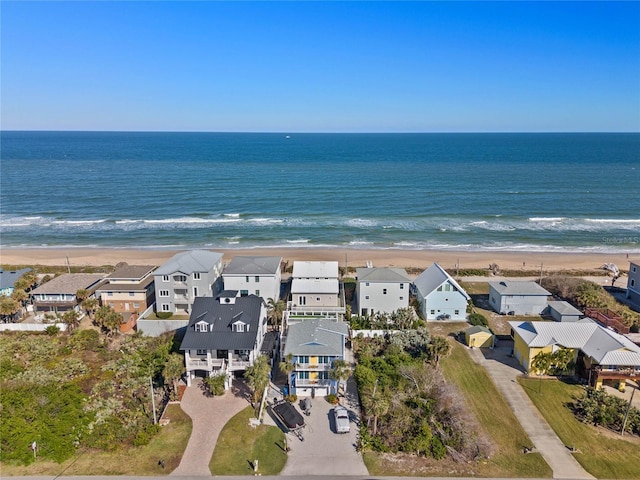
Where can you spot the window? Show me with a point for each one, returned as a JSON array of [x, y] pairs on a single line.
[[165, 307], [634, 269], [201, 351], [136, 304], [257, 279], [401, 298], [456, 312], [302, 300], [132, 294], [110, 294], [246, 279], [366, 284], [238, 327], [196, 276], [323, 375], [244, 293], [195, 291], [165, 278], [384, 291], [257, 293], [201, 327], [163, 293], [447, 287], [303, 359], [433, 312], [366, 297], [180, 278], [439, 288], [303, 375], [633, 282], [317, 299], [402, 286]]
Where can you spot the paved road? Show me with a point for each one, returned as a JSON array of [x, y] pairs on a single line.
[[209, 415], [504, 370]]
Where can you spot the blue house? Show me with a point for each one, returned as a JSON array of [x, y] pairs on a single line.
[[440, 296], [8, 279]]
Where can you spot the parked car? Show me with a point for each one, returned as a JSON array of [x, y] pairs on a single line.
[[341, 417]]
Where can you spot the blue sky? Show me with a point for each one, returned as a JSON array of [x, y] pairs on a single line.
[[321, 66]]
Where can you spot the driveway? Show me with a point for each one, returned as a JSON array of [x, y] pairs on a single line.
[[324, 452], [504, 370], [209, 415]]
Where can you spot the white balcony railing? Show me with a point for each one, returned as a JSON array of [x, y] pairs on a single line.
[[204, 364]]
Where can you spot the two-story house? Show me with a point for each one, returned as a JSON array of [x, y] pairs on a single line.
[[315, 289], [440, 296], [315, 345], [254, 276], [128, 291], [633, 283], [384, 290], [517, 298], [186, 276], [59, 293], [224, 335]]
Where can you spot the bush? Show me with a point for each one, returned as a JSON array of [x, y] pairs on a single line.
[[478, 319], [332, 398], [164, 315], [291, 398], [215, 384], [52, 330], [85, 340]]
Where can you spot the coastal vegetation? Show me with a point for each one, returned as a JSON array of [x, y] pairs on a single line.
[[83, 390], [601, 452]]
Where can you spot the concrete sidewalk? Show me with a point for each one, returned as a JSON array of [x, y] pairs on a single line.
[[504, 370], [209, 415]]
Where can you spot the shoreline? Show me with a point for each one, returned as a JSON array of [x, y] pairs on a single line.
[[97, 256]]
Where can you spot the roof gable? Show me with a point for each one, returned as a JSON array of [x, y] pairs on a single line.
[[434, 276], [190, 262], [383, 275]]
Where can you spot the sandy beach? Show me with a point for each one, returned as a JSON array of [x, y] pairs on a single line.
[[348, 257]]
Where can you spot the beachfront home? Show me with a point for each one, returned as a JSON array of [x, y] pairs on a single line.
[[517, 298], [186, 276], [128, 291], [254, 275], [59, 293], [315, 289], [440, 296], [315, 345], [563, 311], [599, 354], [633, 283], [8, 279], [224, 335], [384, 290]]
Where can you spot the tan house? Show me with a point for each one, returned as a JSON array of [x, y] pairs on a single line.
[[59, 294], [129, 291]]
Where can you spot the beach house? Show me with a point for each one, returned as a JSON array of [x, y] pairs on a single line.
[[633, 283], [59, 294], [383, 290], [186, 276], [315, 345], [258, 276], [224, 335], [8, 279], [315, 289], [440, 296], [598, 353], [129, 291], [517, 298]]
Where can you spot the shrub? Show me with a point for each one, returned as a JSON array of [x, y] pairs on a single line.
[[215, 384], [52, 330], [291, 398], [478, 319], [85, 340], [332, 398], [164, 315]]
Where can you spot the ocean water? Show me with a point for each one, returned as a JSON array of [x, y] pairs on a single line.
[[521, 192]]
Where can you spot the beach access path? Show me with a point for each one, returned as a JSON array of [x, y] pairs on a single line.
[[504, 371]]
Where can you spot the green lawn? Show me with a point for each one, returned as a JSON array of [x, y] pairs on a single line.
[[602, 455], [168, 445], [240, 444], [495, 416]]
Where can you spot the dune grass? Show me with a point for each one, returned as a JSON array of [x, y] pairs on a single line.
[[168, 445], [239, 445], [602, 453]]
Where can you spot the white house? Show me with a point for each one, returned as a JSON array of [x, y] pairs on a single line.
[[185, 276], [517, 298], [315, 345], [315, 288], [633, 283], [440, 296], [254, 276], [224, 335], [382, 290]]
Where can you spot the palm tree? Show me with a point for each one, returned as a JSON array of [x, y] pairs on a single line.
[[90, 305], [20, 296], [72, 319], [8, 307], [173, 370], [258, 379], [275, 310], [287, 366], [340, 371], [437, 348], [82, 294], [376, 405], [542, 363], [108, 319]]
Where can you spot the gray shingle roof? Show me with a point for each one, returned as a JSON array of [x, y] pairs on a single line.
[[253, 266], [9, 277], [316, 337], [69, 283], [219, 318], [131, 272], [564, 308], [508, 287], [432, 278], [382, 275], [190, 262]]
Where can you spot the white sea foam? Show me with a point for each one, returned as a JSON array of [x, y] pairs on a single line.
[[232, 215], [78, 222], [546, 219], [613, 220]]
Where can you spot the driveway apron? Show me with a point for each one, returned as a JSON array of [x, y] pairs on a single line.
[[208, 415], [504, 371]]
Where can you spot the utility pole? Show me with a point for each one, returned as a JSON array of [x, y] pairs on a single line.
[[626, 415], [540, 273], [153, 400], [68, 265]]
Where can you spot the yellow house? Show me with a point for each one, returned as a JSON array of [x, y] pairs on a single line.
[[478, 336], [599, 353]]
